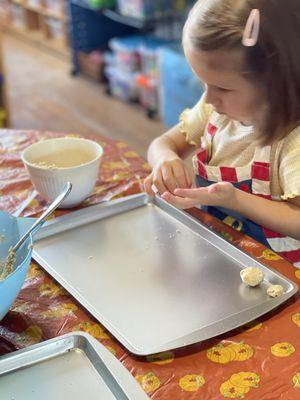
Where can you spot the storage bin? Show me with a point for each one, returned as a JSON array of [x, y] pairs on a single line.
[[148, 93], [91, 64], [126, 52], [149, 55], [109, 59], [179, 87], [121, 84]]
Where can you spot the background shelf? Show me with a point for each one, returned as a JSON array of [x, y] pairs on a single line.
[[41, 22]]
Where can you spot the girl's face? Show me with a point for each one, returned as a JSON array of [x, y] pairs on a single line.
[[227, 90]]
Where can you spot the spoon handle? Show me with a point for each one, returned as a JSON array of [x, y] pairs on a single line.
[[56, 202]]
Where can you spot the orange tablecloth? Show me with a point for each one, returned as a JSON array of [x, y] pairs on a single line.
[[257, 361]]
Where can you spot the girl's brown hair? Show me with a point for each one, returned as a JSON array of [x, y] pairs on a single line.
[[273, 63]]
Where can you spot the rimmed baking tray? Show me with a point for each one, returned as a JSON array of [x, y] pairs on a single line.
[[154, 276], [74, 366]]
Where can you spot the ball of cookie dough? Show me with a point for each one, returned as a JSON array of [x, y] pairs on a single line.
[[275, 291], [252, 276]]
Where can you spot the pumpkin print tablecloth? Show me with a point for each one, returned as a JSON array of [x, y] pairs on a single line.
[[258, 361]]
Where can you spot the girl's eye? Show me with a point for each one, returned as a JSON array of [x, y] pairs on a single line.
[[223, 89]]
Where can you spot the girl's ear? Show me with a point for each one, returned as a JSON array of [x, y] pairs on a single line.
[[251, 31]]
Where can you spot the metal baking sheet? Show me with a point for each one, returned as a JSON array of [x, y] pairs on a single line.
[[73, 366], [154, 276]]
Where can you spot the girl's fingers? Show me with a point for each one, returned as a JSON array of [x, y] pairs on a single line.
[[196, 193], [179, 202], [188, 178], [154, 189], [220, 188], [181, 176], [216, 194], [148, 185], [158, 182], [168, 178]]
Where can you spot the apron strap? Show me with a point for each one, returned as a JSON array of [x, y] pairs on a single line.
[[260, 172], [262, 154]]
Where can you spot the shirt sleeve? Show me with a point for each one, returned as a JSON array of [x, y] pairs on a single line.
[[289, 169], [193, 121]]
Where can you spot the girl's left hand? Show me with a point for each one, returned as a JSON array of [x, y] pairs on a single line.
[[219, 194]]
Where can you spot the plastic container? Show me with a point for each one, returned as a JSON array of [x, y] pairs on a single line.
[[121, 84], [149, 51], [179, 87], [148, 93], [126, 51], [11, 229], [109, 59], [91, 64]]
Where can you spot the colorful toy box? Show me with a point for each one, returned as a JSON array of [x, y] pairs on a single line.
[[148, 52], [122, 84], [126, 52], [148, 94]]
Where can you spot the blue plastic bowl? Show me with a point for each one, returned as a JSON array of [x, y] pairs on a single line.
[[12, 229]]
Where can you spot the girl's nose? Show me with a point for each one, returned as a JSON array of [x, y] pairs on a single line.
[[211, 97]]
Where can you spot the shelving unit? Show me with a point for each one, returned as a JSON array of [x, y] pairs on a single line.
[[91, 29], [141, 24], [42, 22]]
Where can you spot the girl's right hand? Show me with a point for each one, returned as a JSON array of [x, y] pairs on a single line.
[[167, 176]]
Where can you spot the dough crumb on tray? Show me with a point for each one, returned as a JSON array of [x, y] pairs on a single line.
[[275, 291]]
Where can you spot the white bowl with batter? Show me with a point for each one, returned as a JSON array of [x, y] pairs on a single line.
[[53, 162]]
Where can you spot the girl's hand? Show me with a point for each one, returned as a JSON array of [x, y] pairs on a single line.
[[167, 176], [219, 194]]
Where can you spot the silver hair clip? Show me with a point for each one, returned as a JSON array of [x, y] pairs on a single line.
[[251, 31]]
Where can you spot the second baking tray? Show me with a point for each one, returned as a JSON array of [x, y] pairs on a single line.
[[154, 276], [74, 366]]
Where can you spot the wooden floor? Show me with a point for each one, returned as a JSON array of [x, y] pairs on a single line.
[[42, 95]]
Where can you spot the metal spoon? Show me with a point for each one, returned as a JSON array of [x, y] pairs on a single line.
[[56, 202], [11, 257]]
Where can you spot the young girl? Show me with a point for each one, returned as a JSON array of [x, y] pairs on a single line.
[[246, 127]]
